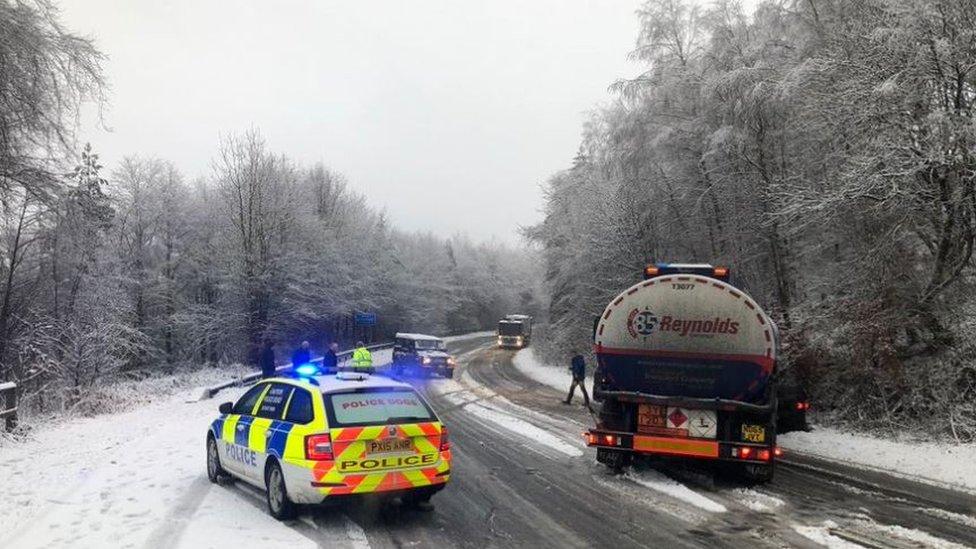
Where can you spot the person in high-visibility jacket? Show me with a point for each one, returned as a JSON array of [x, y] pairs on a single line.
[[362, 359]]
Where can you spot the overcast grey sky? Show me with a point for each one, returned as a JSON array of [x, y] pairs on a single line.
[[449, 114]]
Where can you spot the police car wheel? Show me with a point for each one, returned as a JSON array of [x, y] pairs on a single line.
[[279, 505], [418, 497], [214, 470]]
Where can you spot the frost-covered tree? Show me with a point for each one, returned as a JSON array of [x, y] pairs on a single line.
[[824, 150]]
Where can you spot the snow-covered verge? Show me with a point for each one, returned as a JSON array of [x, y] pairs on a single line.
[[939, 463], [557, 377], [133, 479], [121, 396]]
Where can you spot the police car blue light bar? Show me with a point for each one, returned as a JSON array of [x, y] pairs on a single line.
[[307, 370], [701, 269]]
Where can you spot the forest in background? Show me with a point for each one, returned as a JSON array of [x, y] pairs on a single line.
[[134, 271], [824, 149]]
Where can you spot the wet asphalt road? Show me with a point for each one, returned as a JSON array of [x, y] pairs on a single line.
[[510, 490]]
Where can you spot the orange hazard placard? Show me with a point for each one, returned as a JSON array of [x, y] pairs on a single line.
[[649, 417], [681, 447]]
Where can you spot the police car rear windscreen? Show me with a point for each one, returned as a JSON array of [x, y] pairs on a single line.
[[380, 407]]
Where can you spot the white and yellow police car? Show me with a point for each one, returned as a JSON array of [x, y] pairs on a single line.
[[305, 440]]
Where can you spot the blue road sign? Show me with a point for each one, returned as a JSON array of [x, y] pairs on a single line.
[[366, 319]]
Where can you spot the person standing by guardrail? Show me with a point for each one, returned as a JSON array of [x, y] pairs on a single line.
[[302, 355], [330, 361], [267, 360], [362, 359]]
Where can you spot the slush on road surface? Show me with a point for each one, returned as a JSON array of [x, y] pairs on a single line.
[[522, 477]]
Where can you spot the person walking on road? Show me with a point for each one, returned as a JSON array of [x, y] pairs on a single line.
[[267, 359], [302, 355], [330, 362], [362, 359], [578, 369]]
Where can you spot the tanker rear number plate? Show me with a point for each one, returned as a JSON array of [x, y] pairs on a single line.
[[753, 433]]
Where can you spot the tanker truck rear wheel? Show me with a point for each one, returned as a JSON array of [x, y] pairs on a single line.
[[612, 416]]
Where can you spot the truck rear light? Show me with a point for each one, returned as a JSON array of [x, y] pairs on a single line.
[[445, 439], [757, 454], [318, 447], [802, 406], [596, 439]]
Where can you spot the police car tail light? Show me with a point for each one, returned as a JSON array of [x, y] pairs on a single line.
[[318, 447], [445, 440]]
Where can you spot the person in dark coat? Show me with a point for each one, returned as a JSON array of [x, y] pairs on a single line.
[[578, 369], [302, 355], [267, 359], [330, 362]]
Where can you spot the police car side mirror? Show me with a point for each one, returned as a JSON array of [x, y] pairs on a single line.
[[226, 408]]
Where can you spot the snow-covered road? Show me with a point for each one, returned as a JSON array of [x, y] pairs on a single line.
[[522, 477]]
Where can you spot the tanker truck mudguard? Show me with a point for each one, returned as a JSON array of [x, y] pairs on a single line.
[[685, 365]]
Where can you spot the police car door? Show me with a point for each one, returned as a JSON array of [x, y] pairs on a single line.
[[266, 423], [235, 453]]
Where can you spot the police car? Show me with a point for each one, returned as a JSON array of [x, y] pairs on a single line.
[[307, 439]]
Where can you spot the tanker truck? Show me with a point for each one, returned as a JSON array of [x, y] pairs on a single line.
[[685, 369]]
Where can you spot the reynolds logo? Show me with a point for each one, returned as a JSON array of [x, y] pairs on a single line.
[[641, 323], [699, 327]]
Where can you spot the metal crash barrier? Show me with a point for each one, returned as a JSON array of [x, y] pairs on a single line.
[[8, 404], [344, 357]]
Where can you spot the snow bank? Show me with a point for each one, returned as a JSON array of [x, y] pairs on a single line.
[[121, 396], [661, 483], [557, 377], [755, 501], [829, 535], [937, 463], [910, 535], [821, 535]]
